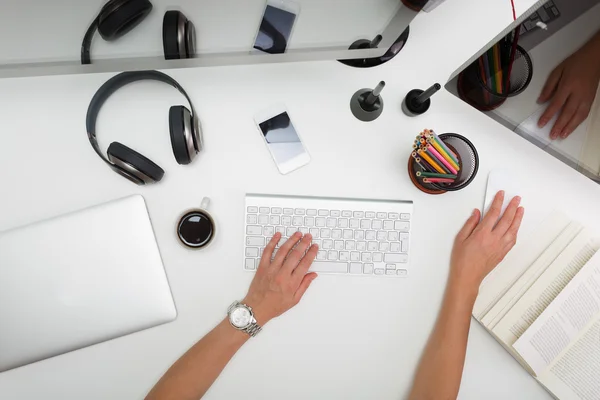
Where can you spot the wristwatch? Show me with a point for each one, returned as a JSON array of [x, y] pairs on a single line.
[[242, 318]]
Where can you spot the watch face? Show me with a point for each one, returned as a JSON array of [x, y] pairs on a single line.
[[240, 317]]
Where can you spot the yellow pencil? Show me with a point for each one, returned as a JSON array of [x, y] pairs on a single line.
[[498, 68], [441, 150], [431, 162]]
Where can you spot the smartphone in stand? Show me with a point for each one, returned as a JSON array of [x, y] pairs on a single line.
[[282, 139], [276, 26]]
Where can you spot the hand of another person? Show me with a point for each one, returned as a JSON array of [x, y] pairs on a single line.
[[280, 284], [480, 246], [572, 87]]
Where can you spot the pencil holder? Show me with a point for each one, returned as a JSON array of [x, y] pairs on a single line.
[[467, 159], [485, 90]]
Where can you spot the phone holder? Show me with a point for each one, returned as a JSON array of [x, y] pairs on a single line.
[[418, 101], [367, 104]]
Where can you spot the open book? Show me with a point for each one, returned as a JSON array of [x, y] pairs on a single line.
[[542, 303]]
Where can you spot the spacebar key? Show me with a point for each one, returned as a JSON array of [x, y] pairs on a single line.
[[329, 267]]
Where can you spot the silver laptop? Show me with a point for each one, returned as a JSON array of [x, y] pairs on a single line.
[[80, 279]]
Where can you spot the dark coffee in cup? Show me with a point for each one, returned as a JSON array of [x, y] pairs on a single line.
[[196, 228]]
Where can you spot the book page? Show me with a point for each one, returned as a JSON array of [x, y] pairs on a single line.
[[590, 157], [503, 306], [516, 262], [547, 287], [576, 373], [563, 320]]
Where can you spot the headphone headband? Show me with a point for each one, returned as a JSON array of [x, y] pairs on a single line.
[[117, 82]]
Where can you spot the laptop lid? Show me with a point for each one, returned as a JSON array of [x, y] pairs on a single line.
[[80, 279]]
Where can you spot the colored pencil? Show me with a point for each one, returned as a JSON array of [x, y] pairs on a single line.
[[426, 174], [512, 60], [443, 152], [441, 159], [443, 145], [488, 71], [431, 162], [437, 180], [437, 160], [497, 68], [424, 164], [486, 94]]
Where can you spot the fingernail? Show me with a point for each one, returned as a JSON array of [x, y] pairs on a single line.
[[474, 212], [501, 193], [308, 236], [518, 199], [542, 123]]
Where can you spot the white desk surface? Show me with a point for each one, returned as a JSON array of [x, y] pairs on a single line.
[[351, 338]]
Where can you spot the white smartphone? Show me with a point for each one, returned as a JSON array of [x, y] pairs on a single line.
[[276, 26], [282, 139]]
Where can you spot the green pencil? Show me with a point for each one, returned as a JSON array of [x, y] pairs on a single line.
[[435, 175]]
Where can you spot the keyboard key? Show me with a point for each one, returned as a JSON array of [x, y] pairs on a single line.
[[350, 245], [377, 257], [555, 11], [332, 255], [253, 230], [329, 267], [325, 233], [395, 258], [384, 246], [276, 210], [381, 215], [355, 268], [404, 242], [252, 219], [344, 256], [336, 234], [318, 242], [322, 255], [405, 217], [402, 272], [252, 209], [299, 211], [311, 212], [376, 224], [368, 269], [365, 224], [343, 222], [320, 222], [288, 211], [255, 241], [286, 220], [251, 251], [366, 257], [372, 246], [388, 225], [249, 263], [263, 219], [361, 246], [370, 235], [275, 219], [395, 247], [393, 215], [323, 213], [393, 236], [402, 226], [260, 252], [379, 271], [390, 266], [309, 221], [355, 256], [358, 214], [327, 244], [282, 241], [354, 223], [338, 245], [268, 231], [335, 213], [381, 236], [359, 235], [390, 272], [370, 214], [314, 232], [297, 221], [264, 210], [348, 234], [281, 230], [331, 222], [346, 214], [290, 231], [304, 230]]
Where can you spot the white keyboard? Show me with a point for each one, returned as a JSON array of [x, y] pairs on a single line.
[[355, 236]]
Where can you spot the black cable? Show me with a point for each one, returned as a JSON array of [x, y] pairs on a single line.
[[87, 42]]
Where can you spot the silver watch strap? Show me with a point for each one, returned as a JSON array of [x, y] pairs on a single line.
[[253, 329]]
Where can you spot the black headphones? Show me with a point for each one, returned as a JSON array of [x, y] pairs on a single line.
[[118, 17], [186, 135]]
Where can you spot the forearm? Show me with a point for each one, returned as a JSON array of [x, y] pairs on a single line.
[[193, 374], [440, 370]]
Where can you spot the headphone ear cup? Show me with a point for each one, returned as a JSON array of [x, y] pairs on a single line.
[[174, 23], [120, 16], [190, 39], [181, 141], [135, 163]]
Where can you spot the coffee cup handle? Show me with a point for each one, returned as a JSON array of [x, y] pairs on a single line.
[[205, 203]]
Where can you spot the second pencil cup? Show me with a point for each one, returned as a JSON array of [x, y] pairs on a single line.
[[487, 91]]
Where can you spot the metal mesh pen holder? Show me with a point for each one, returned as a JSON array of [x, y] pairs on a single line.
[[468, 160], [480, 90]]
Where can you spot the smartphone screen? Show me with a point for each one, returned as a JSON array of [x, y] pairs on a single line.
[[275, 30], [283, 142]]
